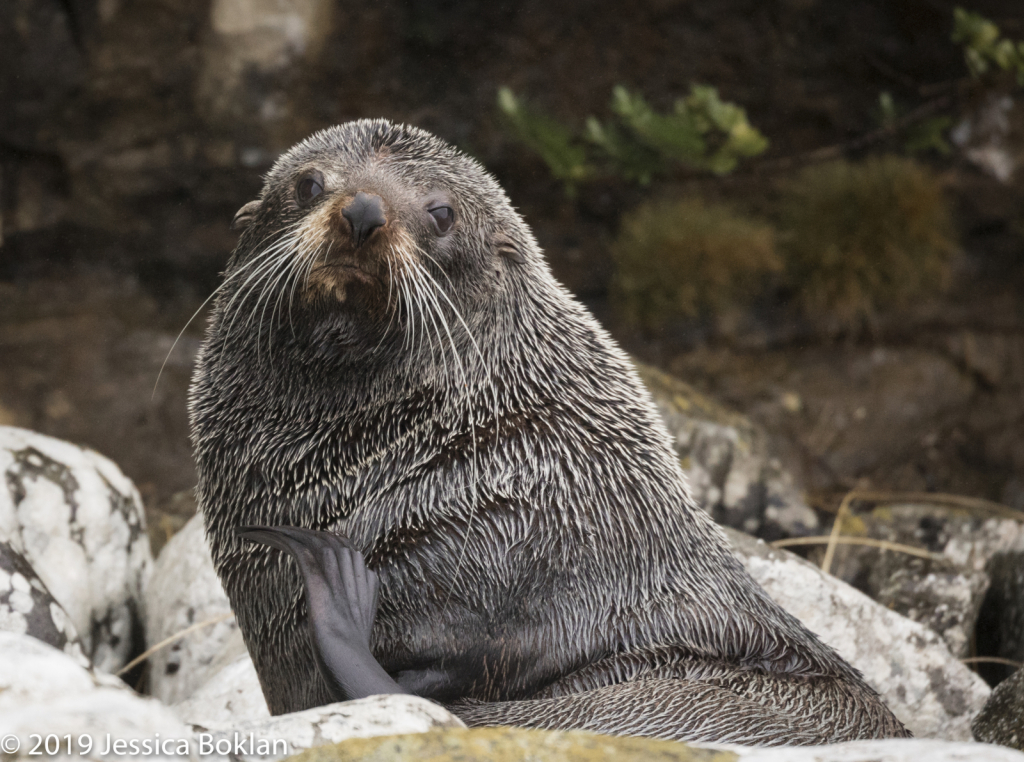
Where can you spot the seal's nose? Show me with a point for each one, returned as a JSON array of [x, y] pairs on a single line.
[[365, 214]]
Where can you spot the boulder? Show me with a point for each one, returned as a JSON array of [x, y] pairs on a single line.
[[79, 522], [1001, 720], [365, 718], [929, 690], [184, 591], [974, 543], [48, 693], [500, 744], [728, 462], [27, 608], [231, 696]]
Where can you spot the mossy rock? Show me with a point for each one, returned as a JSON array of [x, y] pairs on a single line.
[[512, 744]]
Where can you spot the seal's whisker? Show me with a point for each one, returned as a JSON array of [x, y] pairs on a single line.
[[301, 272], [444, 323], [187, 324], [267, 261], [258, 286], [436, 331], [282, 271]]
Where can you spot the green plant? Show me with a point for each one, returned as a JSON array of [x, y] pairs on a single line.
[[984, 46], [860, 238], [687, 258], [555, 144], [701, 132]]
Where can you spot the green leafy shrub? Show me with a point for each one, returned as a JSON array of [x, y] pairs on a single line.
[[687, 258], [985, 48], [860, 238], [701, 132]]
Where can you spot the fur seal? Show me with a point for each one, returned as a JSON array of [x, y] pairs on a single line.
[[476, 498]]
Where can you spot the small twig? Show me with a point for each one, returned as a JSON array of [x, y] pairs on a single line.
[[172, 639], [869, 541], [992, 660], [830, 550]]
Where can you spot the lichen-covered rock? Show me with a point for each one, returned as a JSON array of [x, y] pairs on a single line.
[[185, 590], [1001, 721], [27, 608], [79, 523], [891, 750], [231, 696], [727, 463], [939, 594], [499, 744], [929, 690], [365, 718], [947, 594], [512, 745], [45, 692]]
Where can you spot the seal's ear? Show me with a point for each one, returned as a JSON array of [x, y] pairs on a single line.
[[507, 247], [244, 215]]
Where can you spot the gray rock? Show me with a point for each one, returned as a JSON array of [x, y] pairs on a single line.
[[727, 462], [366, 718], [1001, 721], [45, 692], [232, 696], [929, 690], [79, 522], [941, 595], [185, 590], [27, 608], [945, 594]]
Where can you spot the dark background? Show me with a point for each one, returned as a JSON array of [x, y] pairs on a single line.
[[132, 130]]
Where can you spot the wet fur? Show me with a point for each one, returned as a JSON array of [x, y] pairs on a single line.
[[505, 474]]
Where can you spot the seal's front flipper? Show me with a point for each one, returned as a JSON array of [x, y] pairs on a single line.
[[341, 595]]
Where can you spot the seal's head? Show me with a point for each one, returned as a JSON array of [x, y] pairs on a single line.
[[359, 225]]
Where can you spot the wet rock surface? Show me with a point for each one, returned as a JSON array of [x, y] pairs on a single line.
[[1001, 721]]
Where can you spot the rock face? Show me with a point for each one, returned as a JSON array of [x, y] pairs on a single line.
[[27, 608], [930, 691], [46, 692], [184, 590], [1001, 721], [727, 462], [79, 522]]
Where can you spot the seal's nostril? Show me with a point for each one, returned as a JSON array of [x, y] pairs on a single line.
[[365, 214]]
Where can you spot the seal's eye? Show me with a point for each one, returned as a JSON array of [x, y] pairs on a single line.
[[309, 187], [444, 217]]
